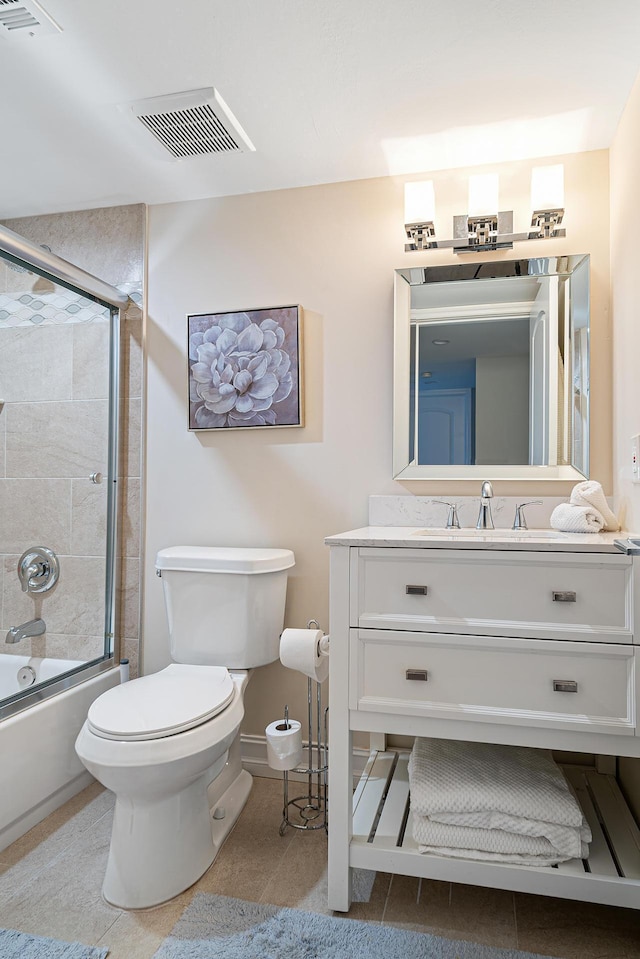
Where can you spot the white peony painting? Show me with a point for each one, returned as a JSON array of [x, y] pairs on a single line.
[[245, 369]]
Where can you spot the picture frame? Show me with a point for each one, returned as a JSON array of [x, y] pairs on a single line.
[[245, 369]]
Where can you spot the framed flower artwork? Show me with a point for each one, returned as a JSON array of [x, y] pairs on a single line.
[[245, 369]]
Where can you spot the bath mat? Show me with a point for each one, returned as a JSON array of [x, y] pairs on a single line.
[[20, 945], [216, 927]]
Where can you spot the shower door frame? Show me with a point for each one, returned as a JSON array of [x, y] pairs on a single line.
[[24, 253]]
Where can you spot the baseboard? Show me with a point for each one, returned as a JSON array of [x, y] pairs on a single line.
[[254, 760]]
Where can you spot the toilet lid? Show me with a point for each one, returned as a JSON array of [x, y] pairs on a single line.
[[163, 704]]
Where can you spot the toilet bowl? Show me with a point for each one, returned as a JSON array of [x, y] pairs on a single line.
[[169, 822], [168, 744]]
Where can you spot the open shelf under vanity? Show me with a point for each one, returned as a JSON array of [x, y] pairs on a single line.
[[383, 839]]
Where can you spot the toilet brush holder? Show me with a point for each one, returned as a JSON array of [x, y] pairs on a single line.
[[309, 811]]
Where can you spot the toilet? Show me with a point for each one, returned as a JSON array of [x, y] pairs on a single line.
[[168, 744]]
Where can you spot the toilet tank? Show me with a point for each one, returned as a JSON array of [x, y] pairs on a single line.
[[225, 605]]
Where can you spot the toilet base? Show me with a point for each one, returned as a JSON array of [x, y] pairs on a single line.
[[149, 863]]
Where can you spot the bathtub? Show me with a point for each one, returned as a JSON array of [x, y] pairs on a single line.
[[43, 669], [40, 770]]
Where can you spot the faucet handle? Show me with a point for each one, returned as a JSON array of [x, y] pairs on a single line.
[[519, 521], [38, 569], [452, 519]]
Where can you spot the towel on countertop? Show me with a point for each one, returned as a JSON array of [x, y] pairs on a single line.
[[489, 801], [586, 512], [576, 519], [590, 494]]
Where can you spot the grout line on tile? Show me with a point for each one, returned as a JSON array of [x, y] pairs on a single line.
[[386, 901], [515, 919], [109, 927], [277, 866]]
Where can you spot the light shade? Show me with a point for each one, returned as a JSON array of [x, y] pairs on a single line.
[[483, 194], [547, 187], [419, 202]]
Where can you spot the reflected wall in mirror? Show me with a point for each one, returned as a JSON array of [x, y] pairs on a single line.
[[491, 371]]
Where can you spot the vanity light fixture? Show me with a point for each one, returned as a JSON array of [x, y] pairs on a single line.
[[419, 214], [547, 201], [484, 227]]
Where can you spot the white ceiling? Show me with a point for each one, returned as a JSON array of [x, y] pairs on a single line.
[[327, 90]]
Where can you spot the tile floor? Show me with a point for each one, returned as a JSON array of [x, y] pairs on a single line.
[[51, 878]]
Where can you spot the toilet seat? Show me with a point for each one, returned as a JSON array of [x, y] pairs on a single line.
[[163, 704]]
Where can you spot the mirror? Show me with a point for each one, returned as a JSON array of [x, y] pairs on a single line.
[[491, 376]]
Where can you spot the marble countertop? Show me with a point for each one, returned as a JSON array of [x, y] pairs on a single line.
[[416, 537]]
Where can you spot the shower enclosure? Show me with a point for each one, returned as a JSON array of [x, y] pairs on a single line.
[[59, 498]]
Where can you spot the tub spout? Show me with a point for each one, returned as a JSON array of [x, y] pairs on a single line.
[[35, 627]]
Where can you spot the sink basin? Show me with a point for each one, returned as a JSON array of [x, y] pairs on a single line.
[[473, 533]]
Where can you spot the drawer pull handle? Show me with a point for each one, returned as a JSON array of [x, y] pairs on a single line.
[[420, 674], [563, 596], [565, 686], [416, 590]]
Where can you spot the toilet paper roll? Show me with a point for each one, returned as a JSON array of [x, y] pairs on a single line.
[[284, 745], [303, 649]]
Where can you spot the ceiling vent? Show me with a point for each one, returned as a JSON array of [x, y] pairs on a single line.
[[25, 18], [194, 123]]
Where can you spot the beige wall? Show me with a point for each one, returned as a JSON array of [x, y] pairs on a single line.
[[625, 214], [333, 249]]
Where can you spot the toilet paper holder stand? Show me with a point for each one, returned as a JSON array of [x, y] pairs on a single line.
[[309, 811]]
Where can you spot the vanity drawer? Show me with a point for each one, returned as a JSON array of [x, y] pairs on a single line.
[[574, 686], [493, 592]]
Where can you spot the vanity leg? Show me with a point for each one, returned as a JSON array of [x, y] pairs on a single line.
[[607, 765], [340, 737], [378, 741]]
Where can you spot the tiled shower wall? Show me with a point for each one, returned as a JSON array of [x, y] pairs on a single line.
[[53, 429]]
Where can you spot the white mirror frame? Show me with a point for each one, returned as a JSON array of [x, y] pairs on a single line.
[[403, 470]]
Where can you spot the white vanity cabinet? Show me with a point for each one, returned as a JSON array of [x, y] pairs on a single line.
[[486, 640]]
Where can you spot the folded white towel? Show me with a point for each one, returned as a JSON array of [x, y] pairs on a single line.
[[499, 832], [455, 779], [591, 495], [500, 844], [493, 801], [518, 859], [576, 519]]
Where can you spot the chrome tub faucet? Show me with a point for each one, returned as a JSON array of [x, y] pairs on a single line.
[[35, 627], [485, 519]]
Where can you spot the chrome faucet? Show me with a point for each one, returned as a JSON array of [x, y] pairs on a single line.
[[519, 521], [452, 519], [35, 627], [485, 519]]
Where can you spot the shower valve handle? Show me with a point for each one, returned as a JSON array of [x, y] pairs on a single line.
[[38, 569]]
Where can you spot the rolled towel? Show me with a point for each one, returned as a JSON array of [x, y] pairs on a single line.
[[590, 494], [576, 519]]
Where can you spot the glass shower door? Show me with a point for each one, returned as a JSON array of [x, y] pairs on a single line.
[[58, 428]]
